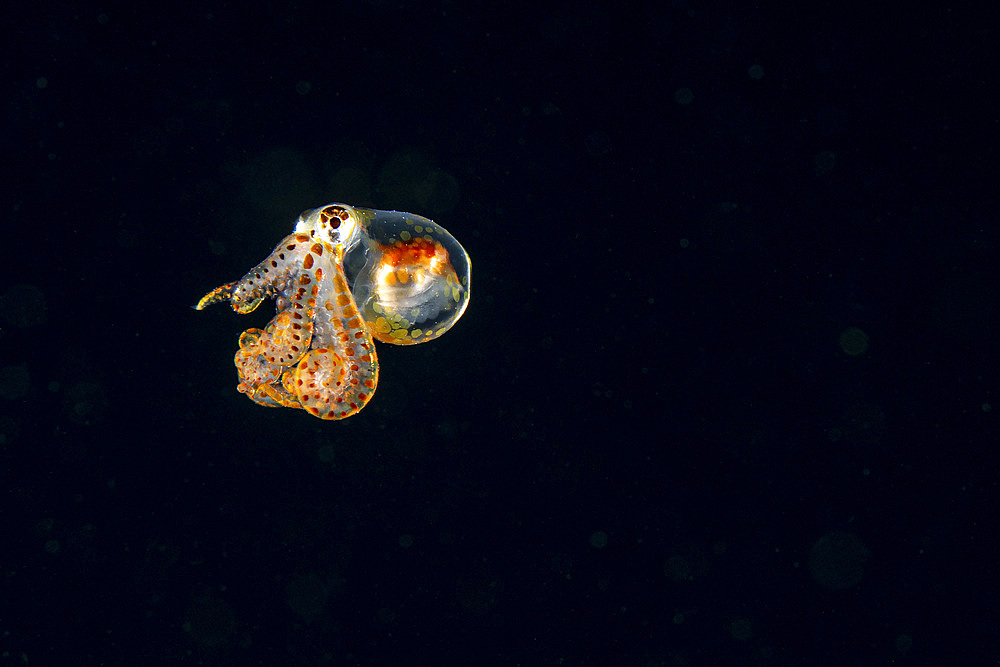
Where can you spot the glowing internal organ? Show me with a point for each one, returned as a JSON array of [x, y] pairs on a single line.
[[346, 276]]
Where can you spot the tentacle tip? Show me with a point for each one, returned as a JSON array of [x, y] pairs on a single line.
[[222, 293], [204, 303]]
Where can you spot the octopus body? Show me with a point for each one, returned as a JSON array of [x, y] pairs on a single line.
[[345, 277]]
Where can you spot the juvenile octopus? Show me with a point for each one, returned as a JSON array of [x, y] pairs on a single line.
[[345, 277]]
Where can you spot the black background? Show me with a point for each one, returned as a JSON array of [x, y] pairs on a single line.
[[651, 440]]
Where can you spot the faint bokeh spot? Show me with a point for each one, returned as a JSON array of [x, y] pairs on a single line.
[[351, 184], [439, 193], [399, 176], [678, 568], [217, 248], [837, 560], [327, 454], [8, 431], [598, 143], [24, 306], [278, 181], [964, 306], [306, 596], [685, 563], [825, 161], [863, 424], [853, 341], [479, 591], [684, 96], [741, 629], [411, 179], [210, 621], [15, 381], [85, 403]]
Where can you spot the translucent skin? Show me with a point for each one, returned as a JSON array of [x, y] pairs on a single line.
[[345, 277]]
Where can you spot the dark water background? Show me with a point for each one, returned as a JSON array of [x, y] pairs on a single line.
[[725, 393]]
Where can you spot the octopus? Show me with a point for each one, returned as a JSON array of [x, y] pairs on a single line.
[[345, 277]]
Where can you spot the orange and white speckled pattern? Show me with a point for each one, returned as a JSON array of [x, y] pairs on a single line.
[[318, 352]]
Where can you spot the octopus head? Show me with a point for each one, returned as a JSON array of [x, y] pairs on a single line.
[[336, 224]]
